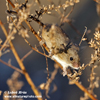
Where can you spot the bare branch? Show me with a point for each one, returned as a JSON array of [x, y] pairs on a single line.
[[26, 55], [33, 87], [11, 66]]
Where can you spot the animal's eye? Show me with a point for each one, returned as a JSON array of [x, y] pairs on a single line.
[[71, 58]]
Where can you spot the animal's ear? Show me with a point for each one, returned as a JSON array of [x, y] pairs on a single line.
[[53, 26]]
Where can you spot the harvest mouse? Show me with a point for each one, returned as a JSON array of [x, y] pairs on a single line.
[[61, 48]]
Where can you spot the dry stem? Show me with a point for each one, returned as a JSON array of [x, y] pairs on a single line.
[[35, 49], [85, 90], [13, 67], [26, 55], [83, 36], [33, 87]]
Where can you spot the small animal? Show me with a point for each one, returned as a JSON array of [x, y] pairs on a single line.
[[61, 48]]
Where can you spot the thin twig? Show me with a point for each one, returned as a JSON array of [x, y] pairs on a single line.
[[26, 55], [36, 35], [76, 30], [37, 20], [33, 87], [83, 36], [30, 44], [48, 83], [35, 49], [65, 18], [69, 12], [46, 63], [11, 3], [11, 66], [85, 90], [10, 35], [7, 40]]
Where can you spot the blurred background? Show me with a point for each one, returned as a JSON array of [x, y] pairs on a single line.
[[84, 14]]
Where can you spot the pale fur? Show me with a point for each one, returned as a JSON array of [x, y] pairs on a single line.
[[57, 40]]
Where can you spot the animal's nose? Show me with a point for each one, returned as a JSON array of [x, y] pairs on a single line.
[[76, 65]]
